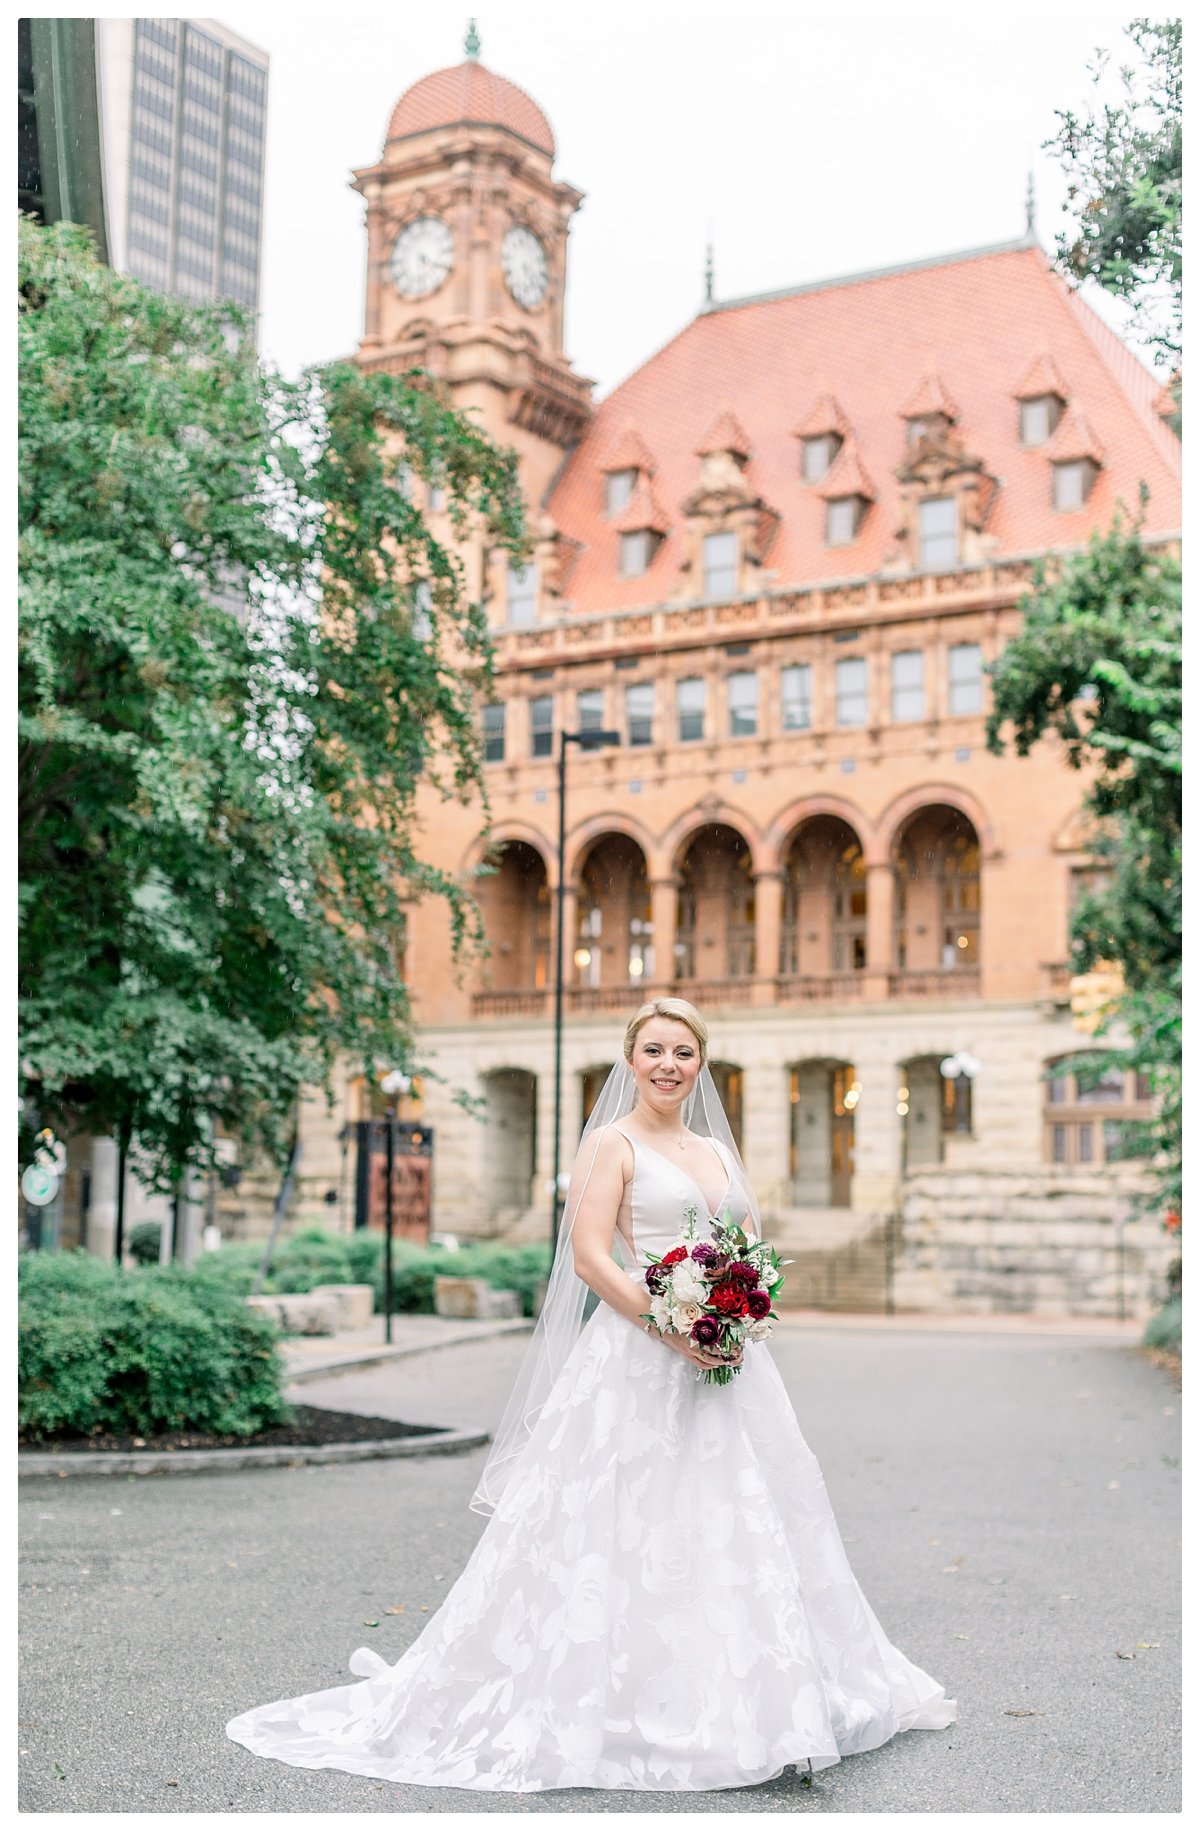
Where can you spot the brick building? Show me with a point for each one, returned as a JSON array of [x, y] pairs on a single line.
[[778, 559]]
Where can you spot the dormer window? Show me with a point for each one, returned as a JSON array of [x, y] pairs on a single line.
[[1039, 417], [637, 550], [619, 486], [720, 565], [928, 426], [1073, 482], [522, 594], [939, 533], [842, 517], [817, 456]]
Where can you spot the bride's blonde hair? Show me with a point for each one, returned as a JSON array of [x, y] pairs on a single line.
[[677, 1008]]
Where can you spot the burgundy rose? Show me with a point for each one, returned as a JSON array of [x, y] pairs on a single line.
[[703, 1253], [707, 1331], [742, 1271], [730, 1299], [676, 1256], [760, 1304], [656, 1278]]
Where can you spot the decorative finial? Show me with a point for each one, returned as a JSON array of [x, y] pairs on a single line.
[[1030, 224], [471, 41], [708, 275]]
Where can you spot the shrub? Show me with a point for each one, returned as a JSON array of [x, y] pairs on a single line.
[[101, 1350], [314, 1257], [1165, 1327]]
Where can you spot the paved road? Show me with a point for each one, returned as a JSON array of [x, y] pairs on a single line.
[[1011, 1506]]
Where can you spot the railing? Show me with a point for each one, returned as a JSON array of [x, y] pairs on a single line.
[[945, 982], [817, 988], [535, 1003]]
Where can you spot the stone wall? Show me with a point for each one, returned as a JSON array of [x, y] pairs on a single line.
[[1030, 1241]]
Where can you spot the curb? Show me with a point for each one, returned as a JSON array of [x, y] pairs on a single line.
[[374, 1357], [264, 1456]]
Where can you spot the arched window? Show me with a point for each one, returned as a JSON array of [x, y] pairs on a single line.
[[824, 927], [937, 902]]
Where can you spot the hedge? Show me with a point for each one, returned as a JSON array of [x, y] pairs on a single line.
[[312, 1257], [135, 1353]]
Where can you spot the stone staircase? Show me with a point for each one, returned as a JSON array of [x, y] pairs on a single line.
[[836, 1263]]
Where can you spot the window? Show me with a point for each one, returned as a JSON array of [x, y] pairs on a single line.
[[522, 594], [797, 697], [720, 565], [939, 533], [966, 679], [639, 713], [817, 455], [493, 734], [590, 709], [1078, 1133], [690, 698], [850, 690], [908, 685], [541, 726], [842, 517], [618, 488], [1039, 417], [743, 704], [422, 621], [437, 497], [1072, 483], [637, 550]]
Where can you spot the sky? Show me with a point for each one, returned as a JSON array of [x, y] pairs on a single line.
[[802, 145]]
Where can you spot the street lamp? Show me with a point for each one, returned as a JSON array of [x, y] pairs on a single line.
[[587, 740]]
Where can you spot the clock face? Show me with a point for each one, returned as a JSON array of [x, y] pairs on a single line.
[[524, 262], [422, 256]]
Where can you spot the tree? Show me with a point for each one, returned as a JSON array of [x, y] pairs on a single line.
[[1124, 165], [241, 653], [1098, 664]]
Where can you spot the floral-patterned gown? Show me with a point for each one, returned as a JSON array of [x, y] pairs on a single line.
[[660, 1602]]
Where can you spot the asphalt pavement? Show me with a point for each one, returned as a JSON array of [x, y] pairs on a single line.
[[1010, 1503]]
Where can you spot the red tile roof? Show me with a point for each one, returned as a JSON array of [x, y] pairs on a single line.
[[824, 415], [846, 477], [929, 396], [725, 434], [630, 453], [643, 510], [863, 339], [1041, 377], [1073, 438], [470, 94]]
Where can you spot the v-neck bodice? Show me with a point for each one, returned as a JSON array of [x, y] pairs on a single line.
[[661, 1190]]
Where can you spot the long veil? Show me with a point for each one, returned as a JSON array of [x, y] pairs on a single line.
[[558, 1326]]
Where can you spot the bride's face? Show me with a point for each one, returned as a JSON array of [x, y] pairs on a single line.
[[665, 1063]]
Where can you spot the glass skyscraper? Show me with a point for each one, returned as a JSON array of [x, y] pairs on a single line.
[[184, 108]]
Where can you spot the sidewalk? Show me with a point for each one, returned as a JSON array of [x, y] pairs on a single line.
[[312, 1357]]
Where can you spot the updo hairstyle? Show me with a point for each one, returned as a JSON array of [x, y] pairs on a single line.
[[677, 1008]]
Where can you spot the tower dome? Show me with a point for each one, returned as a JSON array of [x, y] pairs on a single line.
[[469, 95]]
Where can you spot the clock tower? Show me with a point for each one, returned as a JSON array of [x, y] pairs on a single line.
[[467, 258]]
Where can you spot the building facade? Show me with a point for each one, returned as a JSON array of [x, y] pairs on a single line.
[[184, 111], [778, 561]]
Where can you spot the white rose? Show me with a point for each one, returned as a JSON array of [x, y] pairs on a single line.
[[660, 1309], [687, 1284], [685, 1315], [758, 1331]]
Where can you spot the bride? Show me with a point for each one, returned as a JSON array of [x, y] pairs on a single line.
[[661, 1600]]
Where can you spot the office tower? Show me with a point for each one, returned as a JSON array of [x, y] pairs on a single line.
[[183, 106]]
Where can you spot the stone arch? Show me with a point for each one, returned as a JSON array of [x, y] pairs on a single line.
[[515, 905], [783, 829], [675, 841], [824, 879], [483, 845], [582, 838], [717, 904], [936, 857], [899, 812], [613, 921]]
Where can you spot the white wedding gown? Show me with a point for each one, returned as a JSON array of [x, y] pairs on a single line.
[[661, 1600]]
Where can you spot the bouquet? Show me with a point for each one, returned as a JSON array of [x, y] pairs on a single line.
[[718, 1291]]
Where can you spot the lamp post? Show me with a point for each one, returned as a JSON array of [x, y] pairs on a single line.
[[392, 1085], [587, 740]]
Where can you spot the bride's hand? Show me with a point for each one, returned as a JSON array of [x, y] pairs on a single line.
[[699, 1356]]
